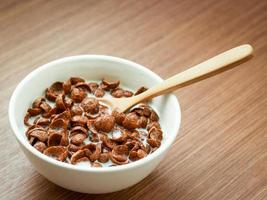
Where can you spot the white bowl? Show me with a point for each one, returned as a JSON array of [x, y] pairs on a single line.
[[92, 67]]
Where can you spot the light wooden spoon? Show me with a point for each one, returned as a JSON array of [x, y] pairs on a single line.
[[173, 83]]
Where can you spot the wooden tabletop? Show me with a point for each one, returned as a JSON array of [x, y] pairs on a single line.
[[221, 150]]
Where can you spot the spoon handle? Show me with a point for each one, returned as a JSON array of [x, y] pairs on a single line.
[[210, 65]]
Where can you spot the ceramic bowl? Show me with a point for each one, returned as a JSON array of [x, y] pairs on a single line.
[[92, 67]]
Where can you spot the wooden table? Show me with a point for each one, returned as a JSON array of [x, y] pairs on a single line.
[[221, 151]]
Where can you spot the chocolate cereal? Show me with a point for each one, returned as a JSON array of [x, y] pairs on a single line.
[[69, 123]]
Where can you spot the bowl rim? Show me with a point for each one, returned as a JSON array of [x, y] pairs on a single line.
[[24, 143]]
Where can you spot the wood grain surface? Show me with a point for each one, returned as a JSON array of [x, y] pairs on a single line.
[[221, 151]]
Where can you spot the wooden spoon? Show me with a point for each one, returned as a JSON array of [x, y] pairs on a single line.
[[173, 83]]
